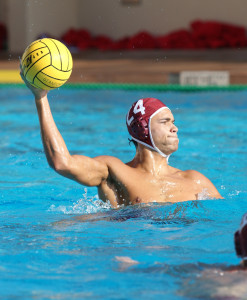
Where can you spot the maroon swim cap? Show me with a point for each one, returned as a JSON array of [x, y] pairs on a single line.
[[138, 121]]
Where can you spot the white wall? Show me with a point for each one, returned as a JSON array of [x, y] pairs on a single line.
[[157, 16], [50, 16], [17, 26], [3, 11], [29, 18]]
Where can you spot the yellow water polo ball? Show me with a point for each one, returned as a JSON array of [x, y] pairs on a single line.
[[46, 64]]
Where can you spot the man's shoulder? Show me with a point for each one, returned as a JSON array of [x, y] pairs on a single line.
[[109, 160], [117, 168], [193, 174], [186, 173], [204, 182]]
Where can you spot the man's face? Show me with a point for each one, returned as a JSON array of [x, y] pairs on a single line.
[[164, 132]]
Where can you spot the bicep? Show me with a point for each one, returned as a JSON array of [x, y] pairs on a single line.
[[85, 170]]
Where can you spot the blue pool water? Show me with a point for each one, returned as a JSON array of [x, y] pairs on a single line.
[[59, 241]]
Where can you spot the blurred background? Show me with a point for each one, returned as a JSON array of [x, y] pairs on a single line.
[[138, 41]]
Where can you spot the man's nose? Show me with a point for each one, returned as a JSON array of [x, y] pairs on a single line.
[[174, 128]]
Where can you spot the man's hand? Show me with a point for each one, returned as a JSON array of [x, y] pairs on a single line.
[[38, 93]]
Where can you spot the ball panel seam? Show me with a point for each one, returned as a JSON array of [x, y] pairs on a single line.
[[34, 64]]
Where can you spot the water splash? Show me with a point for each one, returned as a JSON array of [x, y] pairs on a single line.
[[86, 205], [204, 195]]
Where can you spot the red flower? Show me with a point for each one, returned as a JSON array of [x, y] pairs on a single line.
[[80, 38], [233, 30], [214, 34], [142, 40], [102, 42], [180, 39], [70, 37], [3, 36], [216, 43], [233, 42], [83, 39], [3, 31], [205, 30], [83, 44], [120, 44], [202, 35]]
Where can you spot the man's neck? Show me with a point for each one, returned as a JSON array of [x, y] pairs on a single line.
[[150, 161]]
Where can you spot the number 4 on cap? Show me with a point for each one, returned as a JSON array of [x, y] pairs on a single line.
[[139, 107]]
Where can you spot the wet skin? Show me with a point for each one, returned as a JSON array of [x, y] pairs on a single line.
[[147, 178]]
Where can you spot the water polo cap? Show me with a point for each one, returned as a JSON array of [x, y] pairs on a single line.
[[240, 239], [138, 121]]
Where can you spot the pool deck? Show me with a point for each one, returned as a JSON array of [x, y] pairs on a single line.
[[143, 66]]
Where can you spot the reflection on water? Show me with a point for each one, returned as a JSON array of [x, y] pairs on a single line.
[[196, 281], [215, 283]]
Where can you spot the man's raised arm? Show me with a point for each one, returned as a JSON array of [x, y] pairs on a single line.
[[85, 170]]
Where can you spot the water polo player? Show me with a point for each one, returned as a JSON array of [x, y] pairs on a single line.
[[147, 178]]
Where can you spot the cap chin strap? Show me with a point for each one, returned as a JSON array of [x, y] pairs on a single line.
[[153, 148], [150, 133]]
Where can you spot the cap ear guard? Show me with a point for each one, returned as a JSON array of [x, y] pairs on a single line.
[[139, 128]]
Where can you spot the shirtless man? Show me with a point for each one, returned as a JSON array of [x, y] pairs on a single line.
[[147, 178]]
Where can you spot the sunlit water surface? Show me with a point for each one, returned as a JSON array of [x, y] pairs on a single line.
[[59, 241]]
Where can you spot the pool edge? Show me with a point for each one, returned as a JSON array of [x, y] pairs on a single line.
[[141, 86]]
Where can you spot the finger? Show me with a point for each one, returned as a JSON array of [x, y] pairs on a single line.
[[24, 79], [22, 76], [20, 64]]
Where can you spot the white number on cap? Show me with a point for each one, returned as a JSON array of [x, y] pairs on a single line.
[[139, 108], [129, 120]]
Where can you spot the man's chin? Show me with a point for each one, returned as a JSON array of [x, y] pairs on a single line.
[[171, 150]]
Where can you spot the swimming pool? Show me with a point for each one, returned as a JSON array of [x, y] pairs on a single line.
[[59, 241]]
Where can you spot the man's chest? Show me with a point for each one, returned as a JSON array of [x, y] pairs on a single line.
[[167, 189], [143, 189]]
